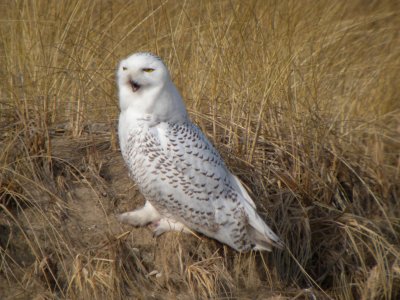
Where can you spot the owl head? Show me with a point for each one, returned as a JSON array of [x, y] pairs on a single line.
[[146, 88]]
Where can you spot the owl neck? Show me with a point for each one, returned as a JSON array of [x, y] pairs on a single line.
[[158, 104], [168, 105]]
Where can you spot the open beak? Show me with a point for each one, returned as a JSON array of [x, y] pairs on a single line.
[[135, 86]]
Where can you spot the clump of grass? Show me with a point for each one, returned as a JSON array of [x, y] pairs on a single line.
[[301, 99]]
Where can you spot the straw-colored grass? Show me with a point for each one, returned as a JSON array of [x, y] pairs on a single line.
[[301, 98]]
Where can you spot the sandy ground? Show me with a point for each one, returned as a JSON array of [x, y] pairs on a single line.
[[91, 186]]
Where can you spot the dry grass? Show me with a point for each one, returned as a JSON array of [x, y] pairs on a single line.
[[301, 98]]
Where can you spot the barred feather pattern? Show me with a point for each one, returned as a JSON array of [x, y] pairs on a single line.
[[183, 176]]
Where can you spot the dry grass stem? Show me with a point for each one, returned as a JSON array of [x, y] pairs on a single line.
[[300, 97]]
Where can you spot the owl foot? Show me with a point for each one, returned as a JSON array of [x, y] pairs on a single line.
[[140, 217], [165, 224]]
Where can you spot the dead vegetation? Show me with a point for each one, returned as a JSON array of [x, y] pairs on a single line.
[[301, 98]]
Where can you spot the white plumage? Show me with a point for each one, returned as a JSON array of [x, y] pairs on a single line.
[[182, 176]]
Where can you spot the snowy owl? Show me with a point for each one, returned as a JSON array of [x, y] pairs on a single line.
[[181, 175]]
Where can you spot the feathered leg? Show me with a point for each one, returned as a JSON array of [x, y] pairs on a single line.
[[166, 224], [140, 217]]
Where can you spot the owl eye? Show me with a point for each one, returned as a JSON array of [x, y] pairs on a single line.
[[148, 70], [124, 68]]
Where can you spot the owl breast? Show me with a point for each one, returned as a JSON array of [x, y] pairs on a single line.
[[183, 176]]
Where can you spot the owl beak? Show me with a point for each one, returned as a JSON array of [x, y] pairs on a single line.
[[135, 86]]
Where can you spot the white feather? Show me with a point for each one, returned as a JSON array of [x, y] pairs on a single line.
[[180, 173]]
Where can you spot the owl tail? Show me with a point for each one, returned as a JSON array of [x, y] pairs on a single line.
[[263, 242], [263, 236]]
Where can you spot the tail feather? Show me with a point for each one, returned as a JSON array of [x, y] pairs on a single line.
[[263, 236], [262, 241]]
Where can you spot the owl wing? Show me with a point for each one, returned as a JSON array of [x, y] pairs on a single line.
[[189, 178], [190, 183]]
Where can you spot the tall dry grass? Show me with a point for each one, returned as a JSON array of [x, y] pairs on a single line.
[[301, 98]]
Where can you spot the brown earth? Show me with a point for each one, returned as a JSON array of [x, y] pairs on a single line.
[[67, 225]]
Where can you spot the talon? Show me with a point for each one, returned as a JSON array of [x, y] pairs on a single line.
[[157, 233], [153, 225], [120, 218]]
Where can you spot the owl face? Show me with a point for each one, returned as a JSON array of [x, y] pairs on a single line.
[[140, 72]]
